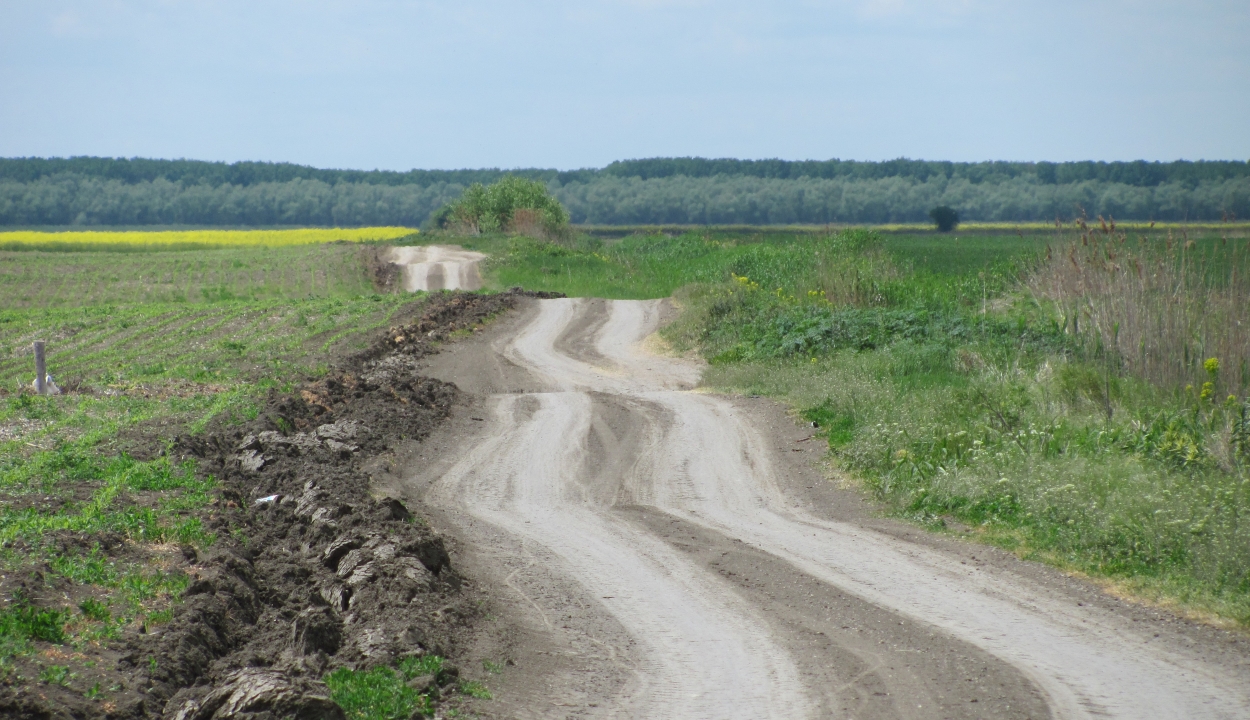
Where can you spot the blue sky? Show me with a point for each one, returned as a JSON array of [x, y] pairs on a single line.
[[479, 83]]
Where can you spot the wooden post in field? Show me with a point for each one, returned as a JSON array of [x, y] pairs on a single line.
[[41, 369]]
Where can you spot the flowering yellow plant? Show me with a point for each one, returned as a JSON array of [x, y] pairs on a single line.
[[218, 238]]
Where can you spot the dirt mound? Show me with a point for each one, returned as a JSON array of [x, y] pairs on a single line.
[[310, 572], [384, 274]]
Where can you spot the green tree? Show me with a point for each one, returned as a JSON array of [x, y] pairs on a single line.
[[512, 204], [945, 217]]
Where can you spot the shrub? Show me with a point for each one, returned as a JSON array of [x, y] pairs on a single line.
[[946, 218], [513, 204]]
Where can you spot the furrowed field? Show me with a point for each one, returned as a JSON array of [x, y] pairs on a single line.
[[146, 343], [1077, 396]]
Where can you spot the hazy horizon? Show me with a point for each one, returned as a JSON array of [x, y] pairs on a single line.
[[618, 160]]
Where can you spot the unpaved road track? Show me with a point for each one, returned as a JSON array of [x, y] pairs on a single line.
[[438, 267], [666, 568]]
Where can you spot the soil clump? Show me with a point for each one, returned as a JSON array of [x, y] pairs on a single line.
[[385, 275]]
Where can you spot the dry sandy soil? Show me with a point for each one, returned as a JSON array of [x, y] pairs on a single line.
[[438, 267], [656, 551]]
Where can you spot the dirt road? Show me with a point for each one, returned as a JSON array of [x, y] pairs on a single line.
[[673, 554], [438, 267]]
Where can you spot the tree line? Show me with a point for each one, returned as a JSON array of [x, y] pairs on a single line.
[[104, 191], [1138, 173], [722, 199], [76, 200], [246, 174]]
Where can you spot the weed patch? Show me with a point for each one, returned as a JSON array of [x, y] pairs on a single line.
[[384, 693], [21, 622]]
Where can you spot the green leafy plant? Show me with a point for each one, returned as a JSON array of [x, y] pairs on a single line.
[[55, 675], [93, 609], [383, 693], [23, 621], [475, 689]]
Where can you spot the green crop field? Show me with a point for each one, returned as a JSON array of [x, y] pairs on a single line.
[[145, 344], [44, 279]]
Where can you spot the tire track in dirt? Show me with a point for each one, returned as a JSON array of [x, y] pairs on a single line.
[[701, 651], [560, 471], [438, 267]]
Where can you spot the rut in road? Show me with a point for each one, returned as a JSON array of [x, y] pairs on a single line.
[[438, 267], [701, 649]]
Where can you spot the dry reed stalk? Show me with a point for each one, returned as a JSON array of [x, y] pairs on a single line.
[[856, 279], [1160, 311], [526, 221]]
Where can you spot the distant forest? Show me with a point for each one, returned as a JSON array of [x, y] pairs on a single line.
[[104, 191]]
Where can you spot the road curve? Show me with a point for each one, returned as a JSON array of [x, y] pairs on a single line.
[[438, 267], [548, 474]]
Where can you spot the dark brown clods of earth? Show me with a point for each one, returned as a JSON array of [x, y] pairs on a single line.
[[310, 571], [383, 273]]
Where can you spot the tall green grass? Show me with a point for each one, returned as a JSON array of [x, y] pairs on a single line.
[[1173, 311]]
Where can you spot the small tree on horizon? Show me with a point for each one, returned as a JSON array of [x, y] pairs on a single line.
[[946, 218], [513, 204]]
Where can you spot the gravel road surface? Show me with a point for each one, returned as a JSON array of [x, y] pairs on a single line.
[[670, 553]]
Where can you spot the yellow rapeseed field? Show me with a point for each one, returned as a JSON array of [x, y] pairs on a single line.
[[202, 238]]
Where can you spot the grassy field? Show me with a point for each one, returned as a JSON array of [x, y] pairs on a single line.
[[956, 385], [656, 265], [140, 361], [44, 279], [994, 229]]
